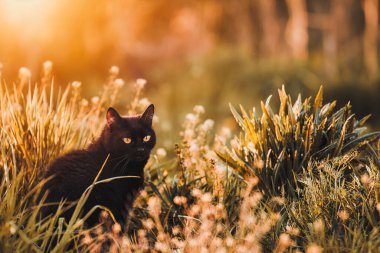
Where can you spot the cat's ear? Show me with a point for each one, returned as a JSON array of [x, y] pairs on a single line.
[[112, 117], [147, 116]]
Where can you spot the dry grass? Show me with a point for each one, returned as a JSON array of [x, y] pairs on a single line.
[[304, 179]]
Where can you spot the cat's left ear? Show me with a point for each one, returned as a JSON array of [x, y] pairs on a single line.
[[147, 116]]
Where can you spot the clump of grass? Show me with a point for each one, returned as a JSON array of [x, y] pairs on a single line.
[[277, 147], [323, 165]]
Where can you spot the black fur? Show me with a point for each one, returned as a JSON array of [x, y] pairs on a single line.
[[72, 173]]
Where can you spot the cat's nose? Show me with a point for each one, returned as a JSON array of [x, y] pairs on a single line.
[[140, 150]]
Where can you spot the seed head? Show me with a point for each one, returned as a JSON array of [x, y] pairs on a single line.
[[343, 215], [119, 82], [76, 84], [199, 109], [161, 153], [314, 248], [95, 100], [24, 73], [140, 83], [114, 70]]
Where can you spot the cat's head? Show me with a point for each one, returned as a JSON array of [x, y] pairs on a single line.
[[132, 135]]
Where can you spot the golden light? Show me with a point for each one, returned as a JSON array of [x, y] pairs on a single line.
[[26, 13]]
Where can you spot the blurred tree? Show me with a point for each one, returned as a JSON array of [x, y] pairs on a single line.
[[296, 29], [370, 39], [270, 39]]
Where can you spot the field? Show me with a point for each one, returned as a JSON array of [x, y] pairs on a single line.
[[301, 176]]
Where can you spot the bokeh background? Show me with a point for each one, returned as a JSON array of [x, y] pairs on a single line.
[[209, 52]]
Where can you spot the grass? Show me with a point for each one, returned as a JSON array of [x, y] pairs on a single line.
[[303, 179]]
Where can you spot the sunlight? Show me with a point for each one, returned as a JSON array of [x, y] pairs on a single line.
[[22, 12]]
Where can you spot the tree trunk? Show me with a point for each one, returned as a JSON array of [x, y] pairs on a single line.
[[370, 8], [296, 29], [270, 46]]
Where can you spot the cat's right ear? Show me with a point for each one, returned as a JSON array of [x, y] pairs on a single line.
[[112, 117]]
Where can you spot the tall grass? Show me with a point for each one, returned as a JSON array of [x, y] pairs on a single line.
[[305, 178]]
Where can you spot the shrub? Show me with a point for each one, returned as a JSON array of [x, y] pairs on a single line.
[[278, 147]]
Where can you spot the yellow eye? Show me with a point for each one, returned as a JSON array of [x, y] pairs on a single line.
[[146, 138], [127, 140]]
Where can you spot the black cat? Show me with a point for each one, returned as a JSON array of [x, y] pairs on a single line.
[[128, 141]]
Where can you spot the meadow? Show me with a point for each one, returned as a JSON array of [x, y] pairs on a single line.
[[299, 177]]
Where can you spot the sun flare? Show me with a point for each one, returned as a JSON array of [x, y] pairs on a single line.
[[21, 12]]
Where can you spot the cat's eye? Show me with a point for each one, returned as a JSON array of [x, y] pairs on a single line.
[[146, 138], [127, 140]]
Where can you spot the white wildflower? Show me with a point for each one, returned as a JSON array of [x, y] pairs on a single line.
[[24, 73], [199, 109], [84, 102], [114, 70], [76, 84], [188, 134], [161, 153], [191, 117], [140, 83], [119, 82], [95, 100], [208, 124], [48, 66], [144, 102]]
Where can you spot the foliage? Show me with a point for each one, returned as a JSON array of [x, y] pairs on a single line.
[[277, 147], [306, 178]]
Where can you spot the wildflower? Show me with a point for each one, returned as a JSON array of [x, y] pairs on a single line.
[[292, 230], [188, 134], [191, 117], [279, 200], [24, 73], [343, 215], [161, 236], [253, 181], [116, 228], [149, 224], [140, 83], [143, 194], [84, 102], [177, 200], [193, 148], [48, 66], [207, 125], [176, 230], [144, 102], [76, 84], [314, 248], [196, 193], [95, 100], [87, 239], [199, 109], [141, 233], [226, 132], [284, 242], [104, 214], [12, 228], [161, 153], [119, 82], [365, 179], [207, 198], [195, 210], [114, 70], [154, 206], [183, 200], [230, 241], [318, 226]]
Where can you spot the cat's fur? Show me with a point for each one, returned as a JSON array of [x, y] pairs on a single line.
[[72, 173]]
